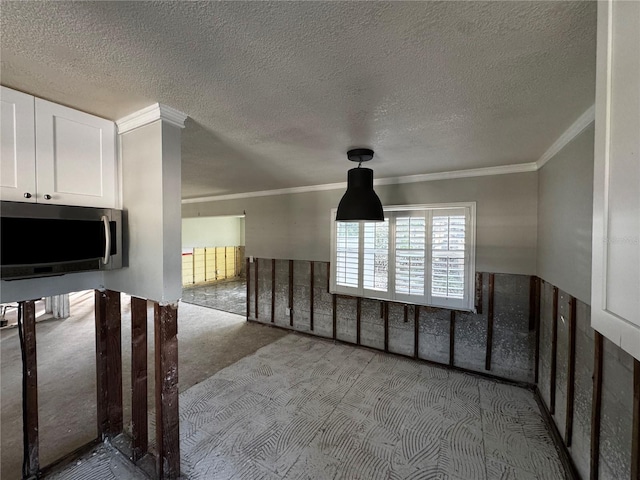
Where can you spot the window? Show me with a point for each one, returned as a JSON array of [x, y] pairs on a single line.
[[422, 254]]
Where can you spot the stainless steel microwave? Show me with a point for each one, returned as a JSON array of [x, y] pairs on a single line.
[[43, 240]]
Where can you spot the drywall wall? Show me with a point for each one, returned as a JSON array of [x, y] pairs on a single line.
[[298, 226], [212, 232], [151, 200], [565, 211]]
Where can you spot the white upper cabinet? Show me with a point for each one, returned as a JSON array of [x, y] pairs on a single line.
[[17, 143], [53, 154], [615, 309], [75, 155]]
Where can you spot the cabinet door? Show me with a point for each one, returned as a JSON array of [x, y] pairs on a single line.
[[75, 153], [615, 309], [17, 140]]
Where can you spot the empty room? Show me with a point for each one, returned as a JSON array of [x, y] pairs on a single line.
[[320, 240]]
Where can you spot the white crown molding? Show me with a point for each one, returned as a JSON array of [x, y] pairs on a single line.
[[150, 114], [573, 131], [427, 177]]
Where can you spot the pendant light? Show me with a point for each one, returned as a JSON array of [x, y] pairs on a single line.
[[360, 202]]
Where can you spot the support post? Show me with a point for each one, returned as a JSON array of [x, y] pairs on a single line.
[[248, 275], [311, 298], [487, 363], [452, 337], [273, 290], [358, 318], [571, 374], [554, 353], [166, 386], [139, 419], [291, 293], [635, 435], [596, 405], [30, 386], [416, 331]]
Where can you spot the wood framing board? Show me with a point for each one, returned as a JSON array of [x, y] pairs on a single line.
[[554, 353], [166, 391], [487, 363], [30, 386], [596, 404], [139, 379]]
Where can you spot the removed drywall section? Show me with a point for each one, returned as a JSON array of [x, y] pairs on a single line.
[[616, 421], [565, 212], [212, 232], [298, 226], [390, 326]]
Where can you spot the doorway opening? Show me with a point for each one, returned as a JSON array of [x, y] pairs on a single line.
[[213, 263]]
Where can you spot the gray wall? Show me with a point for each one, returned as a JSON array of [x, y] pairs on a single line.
[[298, 226], [565, 210]]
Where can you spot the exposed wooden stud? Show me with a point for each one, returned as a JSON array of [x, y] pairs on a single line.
[[452, 337], [571, 373], [328, 276], [479, 293], [225, 263], [139, 419], [532, 302], [255, 288], [381, 309], [596, 405], [358, 317], [335, 315], [291, 293], [554, 353], [311, 279], [166, 389], [635, 435], [416, 331], [406, 313], [386, 326], [537, 339], [102, 398], [114, 362], [248, 275], [30, 387], [273, 290], [487, 363]]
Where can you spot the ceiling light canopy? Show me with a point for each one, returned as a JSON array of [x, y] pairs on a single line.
[[360, 202]]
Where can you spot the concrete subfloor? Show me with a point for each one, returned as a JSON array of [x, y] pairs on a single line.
[[209, 340], [307, 408], [228, 296]]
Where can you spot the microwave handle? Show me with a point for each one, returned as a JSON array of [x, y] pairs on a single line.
[[107, 239]]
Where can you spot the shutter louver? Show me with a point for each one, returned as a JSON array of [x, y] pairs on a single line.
[[410, 255], [347, 250]]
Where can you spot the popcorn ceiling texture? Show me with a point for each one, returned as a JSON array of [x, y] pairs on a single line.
[[277, 92]]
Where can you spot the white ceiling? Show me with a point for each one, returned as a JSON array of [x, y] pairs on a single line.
[[277, 92]]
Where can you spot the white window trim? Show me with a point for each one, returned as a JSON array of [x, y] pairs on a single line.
[[468, 303]]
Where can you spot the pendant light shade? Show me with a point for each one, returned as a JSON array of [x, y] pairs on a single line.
[[360, 202]]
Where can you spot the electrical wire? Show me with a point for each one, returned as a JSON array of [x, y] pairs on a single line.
[[25, 443]]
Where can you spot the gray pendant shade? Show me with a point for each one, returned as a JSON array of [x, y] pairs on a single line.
[[360, 202]]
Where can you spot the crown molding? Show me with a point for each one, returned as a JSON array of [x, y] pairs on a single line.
[[570, 133], [150, 114], [427, 177]]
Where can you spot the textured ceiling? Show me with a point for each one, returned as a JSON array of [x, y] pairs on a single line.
[[277, 92]]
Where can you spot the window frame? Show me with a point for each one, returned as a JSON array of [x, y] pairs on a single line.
[[427, 210]]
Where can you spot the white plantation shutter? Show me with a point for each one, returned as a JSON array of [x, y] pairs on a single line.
[[448, 256], [347, 254], [422, 254], [375, 268], [410, 257]]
